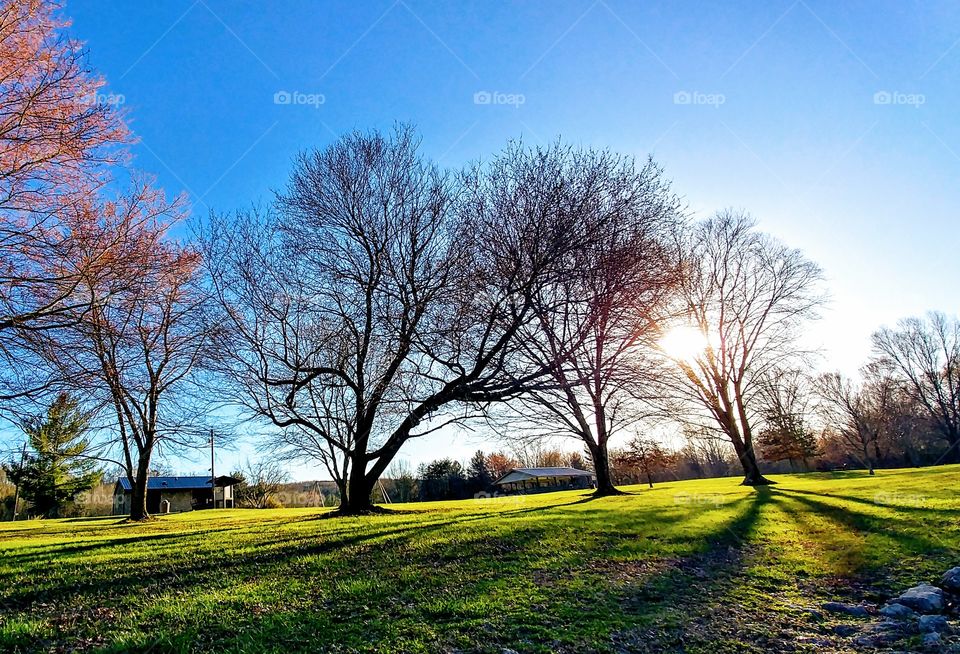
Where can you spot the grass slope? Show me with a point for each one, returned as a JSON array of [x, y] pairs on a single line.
[[699, 566]]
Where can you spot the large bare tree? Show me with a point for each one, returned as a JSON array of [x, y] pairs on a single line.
[[744, 297], [133, 347], [591, 325], [382, 298], [924, 355]]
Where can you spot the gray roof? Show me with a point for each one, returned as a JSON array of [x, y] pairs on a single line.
[[519, 474], [178, 483]]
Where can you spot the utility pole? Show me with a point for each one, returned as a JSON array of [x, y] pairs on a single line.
[[213, 473], [16, 493]]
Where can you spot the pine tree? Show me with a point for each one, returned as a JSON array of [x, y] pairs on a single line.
[[58, 469], [479, 477]]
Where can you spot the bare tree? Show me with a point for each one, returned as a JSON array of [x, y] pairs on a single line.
[[744, 296], [785, 433], [57, 144], [855, 415], [591, 324], [262, 481], [138, 341], [383, 299], [924, 355]]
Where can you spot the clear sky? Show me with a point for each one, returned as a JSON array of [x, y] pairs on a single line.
[[835, 124]]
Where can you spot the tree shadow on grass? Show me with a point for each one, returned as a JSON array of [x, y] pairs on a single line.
[[877, 502], [447, 579], [866, 523]]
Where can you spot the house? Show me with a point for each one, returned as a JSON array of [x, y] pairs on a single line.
[[521, 480], [175, 494]]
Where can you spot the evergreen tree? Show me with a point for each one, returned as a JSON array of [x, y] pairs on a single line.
[[442, 479], [57, 470], [479, 477]]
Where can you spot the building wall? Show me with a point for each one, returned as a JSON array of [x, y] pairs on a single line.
[[179, 500]]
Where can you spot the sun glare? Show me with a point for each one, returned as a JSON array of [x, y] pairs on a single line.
[[683, 343]]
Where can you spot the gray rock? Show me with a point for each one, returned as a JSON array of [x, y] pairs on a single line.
[[898, 611], [931, 640], [814, 614], [933, 623], [951, 580], [850, 609], [845, 629], [923, 599]]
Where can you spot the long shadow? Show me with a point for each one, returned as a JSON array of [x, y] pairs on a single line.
[[693, 585], [517, 542], [891, 506], [865, 523], [289, 547], [642, 598], [43, 552]]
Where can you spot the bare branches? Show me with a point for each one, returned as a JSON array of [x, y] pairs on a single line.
[[592, 323], [746, 295], [924, 355], [383, 297]]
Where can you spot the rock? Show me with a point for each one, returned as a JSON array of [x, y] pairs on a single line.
[[883, 634], [951, 580], [814, 614], [933, 623], [898, 611], [850, 609], [845, 629], [931, 640], [923, 599]]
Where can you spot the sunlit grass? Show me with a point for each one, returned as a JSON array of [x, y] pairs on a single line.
[[703, 565]]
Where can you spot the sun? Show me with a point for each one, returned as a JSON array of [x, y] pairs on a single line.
[[684, 343]]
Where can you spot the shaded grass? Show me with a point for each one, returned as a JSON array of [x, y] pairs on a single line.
[[688, 566]]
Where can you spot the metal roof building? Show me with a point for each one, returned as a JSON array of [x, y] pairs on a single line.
[[171, 494], [532, 479]]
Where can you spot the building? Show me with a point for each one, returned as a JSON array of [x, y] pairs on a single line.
[[531, 480], [175, 494]]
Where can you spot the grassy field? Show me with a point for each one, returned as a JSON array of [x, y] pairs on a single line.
[[699, 566]]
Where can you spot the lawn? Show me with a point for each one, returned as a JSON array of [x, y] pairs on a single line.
[[698, 566]]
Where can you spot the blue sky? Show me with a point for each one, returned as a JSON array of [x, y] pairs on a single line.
[[833, 123]]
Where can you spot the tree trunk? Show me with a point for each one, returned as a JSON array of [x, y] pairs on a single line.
[[751, 469], [357, 501], [138, 503], [601, 467]]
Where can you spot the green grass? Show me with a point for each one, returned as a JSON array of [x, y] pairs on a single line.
[[699, 566]]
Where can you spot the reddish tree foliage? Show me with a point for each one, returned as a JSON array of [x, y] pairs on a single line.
[[58, 140], [500, 464], [136, 343]]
